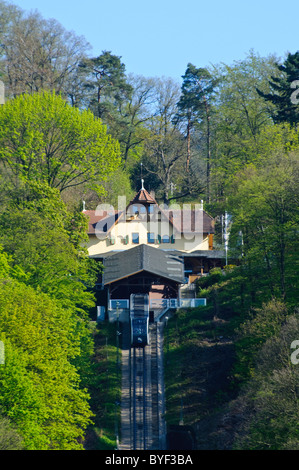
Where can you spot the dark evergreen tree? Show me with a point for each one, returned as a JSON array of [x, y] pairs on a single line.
[[106, 80], [285, 91]]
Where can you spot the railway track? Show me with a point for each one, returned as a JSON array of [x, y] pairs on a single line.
[[139, 428], [142, 402]]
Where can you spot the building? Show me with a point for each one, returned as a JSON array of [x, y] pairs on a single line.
[[151, 249]]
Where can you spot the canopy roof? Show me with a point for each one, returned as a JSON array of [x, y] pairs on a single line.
[[119, 265]]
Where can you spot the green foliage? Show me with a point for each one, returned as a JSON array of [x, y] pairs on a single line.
[[215, 275], [40, 388], [49, 261], [105, 77], [105, 388], [267, 216], [197, 365], [258, 327], [270, 399], [9, 438], [240, 116], [44, 139]]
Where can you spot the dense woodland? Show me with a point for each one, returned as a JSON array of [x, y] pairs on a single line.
[[76, 127]]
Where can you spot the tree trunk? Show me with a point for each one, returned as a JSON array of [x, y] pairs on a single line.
[[188, 146], [208, 149]]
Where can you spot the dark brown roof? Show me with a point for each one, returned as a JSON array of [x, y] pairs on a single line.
[[143, 197], [190, 221]]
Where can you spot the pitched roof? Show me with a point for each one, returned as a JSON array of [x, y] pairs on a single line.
[[143, 197], [107, 221], [190, 221], [183, 221], [143, 258]]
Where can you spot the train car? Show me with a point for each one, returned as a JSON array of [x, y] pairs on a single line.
[[139, 318]]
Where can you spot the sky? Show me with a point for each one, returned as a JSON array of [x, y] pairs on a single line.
[[158, 38]]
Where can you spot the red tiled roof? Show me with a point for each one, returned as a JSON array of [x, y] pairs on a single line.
[[107, 221]]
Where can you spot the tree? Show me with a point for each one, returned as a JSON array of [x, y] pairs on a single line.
[[9, 438], [105, 75], [164, 152], [283, 93], [195, 105], [240, 116], [44, 139], [267, 216], [45, 245], [38, 54], [134, 114], [40, 386], [269, 403]]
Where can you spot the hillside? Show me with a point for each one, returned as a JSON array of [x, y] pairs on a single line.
[[222, 379]]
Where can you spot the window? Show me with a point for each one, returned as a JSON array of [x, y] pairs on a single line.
[[165, 239], [135, 237], [150, 237]]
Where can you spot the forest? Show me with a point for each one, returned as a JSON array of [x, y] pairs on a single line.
[[79, 128]]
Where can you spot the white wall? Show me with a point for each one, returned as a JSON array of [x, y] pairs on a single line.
[[124, 229]]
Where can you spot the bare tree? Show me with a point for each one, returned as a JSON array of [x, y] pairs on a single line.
[[38, 54], [164, 149]]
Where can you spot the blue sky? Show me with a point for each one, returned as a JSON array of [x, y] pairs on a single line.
[[159, 37]]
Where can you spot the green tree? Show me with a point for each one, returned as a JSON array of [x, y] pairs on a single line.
[[269, 403], [49, 257], [40, 386], [267, 216], [240, 115], [44, 139], [130, 128]]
